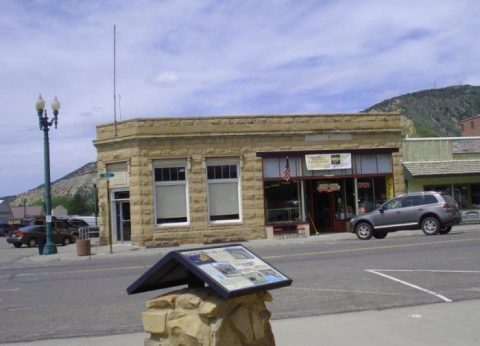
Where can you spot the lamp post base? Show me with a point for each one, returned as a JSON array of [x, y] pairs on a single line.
[[49, 249]]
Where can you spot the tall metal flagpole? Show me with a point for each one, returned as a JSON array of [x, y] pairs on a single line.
[[115, 78]]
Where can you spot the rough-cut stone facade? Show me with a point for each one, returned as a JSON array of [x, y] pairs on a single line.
[[194, 317], [140, 141]]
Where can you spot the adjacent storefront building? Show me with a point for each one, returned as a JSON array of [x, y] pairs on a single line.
[[212, 179], [446, 164]]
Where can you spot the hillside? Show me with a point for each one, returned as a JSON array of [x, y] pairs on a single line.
[[80, 180], [435, 112]]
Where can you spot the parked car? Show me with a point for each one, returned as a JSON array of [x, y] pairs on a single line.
[[432, 212], [6, 229], [36, 234], [58, 223], [33, 221], [76, 223]]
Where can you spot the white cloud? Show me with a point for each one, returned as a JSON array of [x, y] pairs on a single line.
[[211, 57], [167, 77]]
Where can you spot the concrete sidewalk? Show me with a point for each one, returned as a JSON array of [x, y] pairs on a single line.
[[425, 325]]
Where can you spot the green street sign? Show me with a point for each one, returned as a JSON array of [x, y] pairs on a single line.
[[107, 175]]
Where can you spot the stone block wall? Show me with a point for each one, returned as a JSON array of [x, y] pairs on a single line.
[[200, 230], [194, 317]]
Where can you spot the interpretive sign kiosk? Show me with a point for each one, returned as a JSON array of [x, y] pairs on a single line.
[[230, 271], [231, 310]]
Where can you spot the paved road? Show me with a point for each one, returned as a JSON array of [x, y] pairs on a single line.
[[353, 276], [63, 299]]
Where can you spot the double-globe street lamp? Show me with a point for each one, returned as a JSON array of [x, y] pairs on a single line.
[[49, 247]]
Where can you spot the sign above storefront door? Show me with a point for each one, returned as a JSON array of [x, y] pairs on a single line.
[[328, 187], [328, 161]]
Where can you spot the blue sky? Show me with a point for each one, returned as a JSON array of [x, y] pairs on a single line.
[[178, 58]]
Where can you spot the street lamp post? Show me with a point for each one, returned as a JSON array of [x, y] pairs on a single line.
[[24, 208], [44, 123]]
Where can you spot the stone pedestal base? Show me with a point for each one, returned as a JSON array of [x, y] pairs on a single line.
[[192, 317]]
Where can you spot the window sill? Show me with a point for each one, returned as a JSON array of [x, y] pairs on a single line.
[[172, 225], [226, 222]]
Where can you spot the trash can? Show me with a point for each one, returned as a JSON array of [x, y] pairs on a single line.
[[83, 247], [40, 245]]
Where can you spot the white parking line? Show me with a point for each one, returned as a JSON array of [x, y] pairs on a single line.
[[448, 300], [473, 289], [32, 274], [428, 270], [19, 308], [10, 289], [340, 291]]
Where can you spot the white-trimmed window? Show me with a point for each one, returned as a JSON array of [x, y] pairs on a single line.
[[223, 190], [171, 192]]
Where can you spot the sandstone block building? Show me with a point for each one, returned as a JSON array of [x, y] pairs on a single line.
[[232, 178]]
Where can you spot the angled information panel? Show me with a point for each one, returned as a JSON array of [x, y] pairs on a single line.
[[231, 271]]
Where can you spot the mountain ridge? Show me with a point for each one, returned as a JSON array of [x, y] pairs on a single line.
[[81, 179], [435, 112]]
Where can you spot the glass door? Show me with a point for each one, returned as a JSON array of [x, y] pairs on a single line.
[[344, 204], [329, 205], [323, 211], [123, 221]]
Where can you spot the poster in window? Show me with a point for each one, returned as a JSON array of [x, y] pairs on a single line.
[[328, 161]]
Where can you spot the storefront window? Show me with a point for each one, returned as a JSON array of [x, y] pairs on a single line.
[[365, 195], [466, 196], [171, 193], [439, 188], [274, 167], [475, 190], [223, 190], [373, 163], [344, 200], [331, 199], [460, 194], [283, 202], [371, 193], [380, 191]]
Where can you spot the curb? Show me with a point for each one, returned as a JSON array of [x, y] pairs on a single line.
[[69, 253]]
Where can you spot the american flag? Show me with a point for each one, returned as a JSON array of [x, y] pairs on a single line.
[[286, 171]]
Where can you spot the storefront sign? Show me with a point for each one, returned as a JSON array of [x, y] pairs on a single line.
[[328, 161], [328, 187], [466, 146], [470, 215], [363, 185]]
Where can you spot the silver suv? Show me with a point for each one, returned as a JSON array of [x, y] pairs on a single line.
[[432, 212]]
